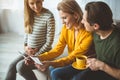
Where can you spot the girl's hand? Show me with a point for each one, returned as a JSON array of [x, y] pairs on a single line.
[[39, 67], [45, 65], [28, 61], [30, 51]]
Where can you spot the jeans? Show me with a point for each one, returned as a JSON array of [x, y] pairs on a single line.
[[88, 74], [63, 73], [69, 73], [19, 66]]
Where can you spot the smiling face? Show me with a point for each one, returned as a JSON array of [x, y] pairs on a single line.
[[35, 5], [67, 19]]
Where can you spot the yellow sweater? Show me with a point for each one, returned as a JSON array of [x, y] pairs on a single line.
[[75, 48]]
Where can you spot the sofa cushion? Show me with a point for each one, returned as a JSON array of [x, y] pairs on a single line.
[[117, 22]]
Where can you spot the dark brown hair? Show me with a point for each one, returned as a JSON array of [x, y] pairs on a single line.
[[100, 13]]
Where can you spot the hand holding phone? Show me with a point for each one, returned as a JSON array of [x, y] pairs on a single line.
[[36, 60]]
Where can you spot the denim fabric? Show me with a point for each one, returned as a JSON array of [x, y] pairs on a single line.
[[18, 66], [26, 70], [87, 74], [69, 73], [11, 74], [63, 73]]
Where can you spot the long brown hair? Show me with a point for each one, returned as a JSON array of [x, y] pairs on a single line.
[[28, 17], [71, 7]]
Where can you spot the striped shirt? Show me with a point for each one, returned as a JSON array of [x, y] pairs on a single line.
[[43, 32]]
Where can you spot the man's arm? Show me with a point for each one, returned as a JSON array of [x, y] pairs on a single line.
[[95, 64], [111, 71]]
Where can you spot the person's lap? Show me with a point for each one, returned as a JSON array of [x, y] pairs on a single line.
[[69, 73], [88, 74], [63, 73], [11, 74]]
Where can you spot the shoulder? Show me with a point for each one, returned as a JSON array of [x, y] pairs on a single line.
[[64, 27], [84, 32], [47, 12]]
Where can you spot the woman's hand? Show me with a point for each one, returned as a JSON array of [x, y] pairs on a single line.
[[30, 51], [28, 61], [95, 64], [44, 66]]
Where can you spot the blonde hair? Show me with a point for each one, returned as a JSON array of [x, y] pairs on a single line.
[[28, 18], [71, 7]]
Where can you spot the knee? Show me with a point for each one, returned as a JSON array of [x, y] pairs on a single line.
[[75, 78], [52, 73], [12, 66], [55, 74], [20, 67]]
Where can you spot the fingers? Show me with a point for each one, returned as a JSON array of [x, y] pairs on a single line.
[[40, 67], [28, 61], [91, 63], [44, 66], [30, 51]]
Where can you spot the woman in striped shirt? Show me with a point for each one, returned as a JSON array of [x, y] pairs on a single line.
[[39, 29]]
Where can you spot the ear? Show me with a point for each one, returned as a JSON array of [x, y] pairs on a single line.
[[96, 26]]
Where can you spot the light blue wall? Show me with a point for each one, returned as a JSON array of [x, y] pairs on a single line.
[[52, 6], [114, 5]]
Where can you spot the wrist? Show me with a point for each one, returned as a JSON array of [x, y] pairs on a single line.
[[52, 63], [102, 67]]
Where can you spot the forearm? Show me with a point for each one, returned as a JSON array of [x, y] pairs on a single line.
[[111, 71], [54, 64]]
